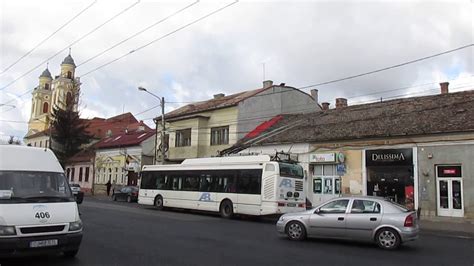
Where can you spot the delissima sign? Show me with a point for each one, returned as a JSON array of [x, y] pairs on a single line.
[[389, 157]]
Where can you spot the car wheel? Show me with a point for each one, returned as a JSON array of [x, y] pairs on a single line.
[[129, 199], [159, 203], [71, 253], [387, 238], [295, 231], [226, 209], [114, 198]]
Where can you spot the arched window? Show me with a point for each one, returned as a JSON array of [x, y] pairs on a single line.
[[68, 98], [69, 75], [46, 86], [45, 108]]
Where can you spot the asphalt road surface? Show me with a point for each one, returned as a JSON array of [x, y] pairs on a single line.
[[129, 234]]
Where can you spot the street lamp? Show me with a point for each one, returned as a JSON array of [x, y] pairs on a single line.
[[162, 104]]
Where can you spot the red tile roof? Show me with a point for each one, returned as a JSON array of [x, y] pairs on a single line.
[[124, 139]]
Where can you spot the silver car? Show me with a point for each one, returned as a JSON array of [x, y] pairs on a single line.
[[360, 218]]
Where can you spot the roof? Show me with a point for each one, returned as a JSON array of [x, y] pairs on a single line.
[[124, 139], [46, 74], [68, 60], [13, 157], [82, 156], [435, 114], [212, 104]]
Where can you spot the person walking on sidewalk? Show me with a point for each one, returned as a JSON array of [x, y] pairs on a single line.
[[108, 185]]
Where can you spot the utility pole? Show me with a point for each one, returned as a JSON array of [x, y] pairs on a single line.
[[163, 153]]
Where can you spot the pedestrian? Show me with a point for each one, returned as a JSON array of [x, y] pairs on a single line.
[[108, 185]]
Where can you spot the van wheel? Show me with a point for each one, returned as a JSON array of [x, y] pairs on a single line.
[[71, 253], [387, 238], [129, 199], [159, 203], [295, 231], [226, 209]]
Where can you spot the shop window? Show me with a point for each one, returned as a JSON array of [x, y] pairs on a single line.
[[317, 185], [327, 188]]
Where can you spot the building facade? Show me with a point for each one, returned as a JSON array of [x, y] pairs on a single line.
[[204, 129], [415, 151]]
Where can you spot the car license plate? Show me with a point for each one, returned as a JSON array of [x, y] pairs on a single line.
[[291, 204], [44, 243]]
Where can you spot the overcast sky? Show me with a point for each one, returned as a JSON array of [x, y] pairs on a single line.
[[300, 42]]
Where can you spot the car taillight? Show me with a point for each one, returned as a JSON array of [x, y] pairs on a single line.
[[301, 205], [409, 221], [281, 204]]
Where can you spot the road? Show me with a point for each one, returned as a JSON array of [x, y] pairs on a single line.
[[129, 234]]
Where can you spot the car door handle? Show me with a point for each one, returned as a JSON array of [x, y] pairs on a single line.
[[340, 218], [373, 219]]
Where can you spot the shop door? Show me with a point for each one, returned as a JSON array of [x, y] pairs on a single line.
[[450, 201]]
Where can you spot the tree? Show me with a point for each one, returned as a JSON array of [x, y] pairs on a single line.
[[68, 132]]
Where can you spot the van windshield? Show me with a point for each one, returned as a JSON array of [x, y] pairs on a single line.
[[27, 186]]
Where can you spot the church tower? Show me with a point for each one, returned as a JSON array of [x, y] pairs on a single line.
[[59, 92], [41, 104], [66, 86]]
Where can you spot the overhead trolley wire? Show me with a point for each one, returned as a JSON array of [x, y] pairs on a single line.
[[47, 38]]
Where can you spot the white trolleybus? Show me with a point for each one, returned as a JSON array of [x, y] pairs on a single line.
[[251, 185]]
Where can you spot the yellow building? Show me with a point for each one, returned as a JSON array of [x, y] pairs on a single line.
[[61, 91]]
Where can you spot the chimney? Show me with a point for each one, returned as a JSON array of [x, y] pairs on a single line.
[[219, 95], [444, 87], [267, 83], [341, 102], [325, 105], [314, 94]]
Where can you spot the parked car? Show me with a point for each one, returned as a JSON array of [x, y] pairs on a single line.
[[128, 193], [76, 191], [358, 218]]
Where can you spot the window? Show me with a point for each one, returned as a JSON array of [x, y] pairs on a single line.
[[183, 138], [69, 74], [72, 174], [46, 86], [220, 135], [228, 181], [46, 144], [41, 143], [45, 108], [291, 170], [365, 206], [337, 206], [68, 172], [87, 175], [317, 185], [80, 174]]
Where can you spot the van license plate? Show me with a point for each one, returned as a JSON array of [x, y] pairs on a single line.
[[291, 204], [43, 243]]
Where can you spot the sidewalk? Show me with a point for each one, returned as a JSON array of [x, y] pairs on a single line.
[[451, 226]]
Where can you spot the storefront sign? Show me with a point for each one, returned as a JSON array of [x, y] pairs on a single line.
[[322, 158], [389, 157], [449, 171]]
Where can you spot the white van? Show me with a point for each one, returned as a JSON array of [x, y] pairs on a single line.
[[38, 212]]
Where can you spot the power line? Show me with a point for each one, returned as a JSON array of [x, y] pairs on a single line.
[[68, 46], [160, 38], [138, 33], [47, 38], [387, 68]]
